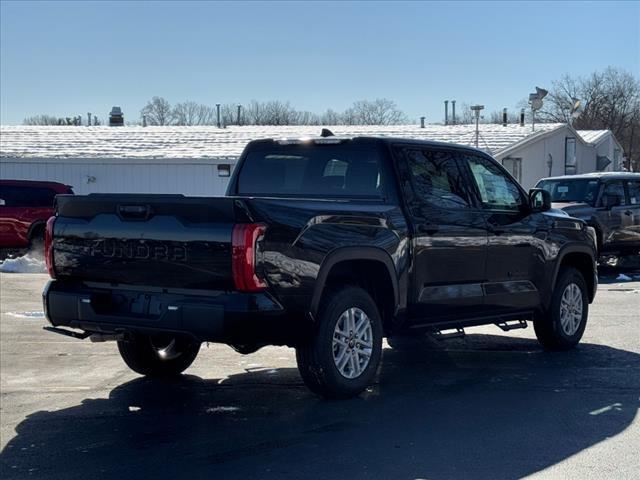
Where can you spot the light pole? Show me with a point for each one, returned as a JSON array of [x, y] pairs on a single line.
[[535, 100], [476, 110]]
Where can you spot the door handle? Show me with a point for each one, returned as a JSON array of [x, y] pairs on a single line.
[[428, 228]]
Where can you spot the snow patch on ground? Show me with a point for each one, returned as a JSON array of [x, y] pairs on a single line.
[[28, 263], [623, 278], [32, 314]]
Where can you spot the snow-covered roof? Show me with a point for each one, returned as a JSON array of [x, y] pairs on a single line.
[[593, 136], [212, 142]]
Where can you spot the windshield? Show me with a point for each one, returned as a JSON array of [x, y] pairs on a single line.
[[571, 190], [311, 171]]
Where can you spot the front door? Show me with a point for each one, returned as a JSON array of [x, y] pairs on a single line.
[[450, 236], [633, 214], [516, 239]]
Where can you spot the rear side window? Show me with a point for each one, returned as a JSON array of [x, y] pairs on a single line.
[[634, 192], [312, 171], [435, 177], [14, 196]]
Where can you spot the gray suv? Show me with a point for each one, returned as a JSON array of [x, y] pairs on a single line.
[[608, 201]]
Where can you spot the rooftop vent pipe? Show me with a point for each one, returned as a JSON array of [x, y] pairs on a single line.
[[421, 122], [522, 117], [504, 117], [453, 112], [446, 112]]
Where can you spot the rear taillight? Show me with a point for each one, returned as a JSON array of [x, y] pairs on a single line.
[[48, 247], [244, 239]]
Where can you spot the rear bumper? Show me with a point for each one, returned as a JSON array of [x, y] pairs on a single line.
[[206, 315]]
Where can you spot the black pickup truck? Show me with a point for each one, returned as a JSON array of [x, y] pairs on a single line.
[[326, 245]]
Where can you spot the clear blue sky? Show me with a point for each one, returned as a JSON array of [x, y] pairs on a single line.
[[68, 58]]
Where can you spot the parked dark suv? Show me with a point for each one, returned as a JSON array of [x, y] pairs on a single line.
[[325, 245], [607, 201]]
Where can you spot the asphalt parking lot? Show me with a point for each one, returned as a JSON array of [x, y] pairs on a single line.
[[492, 405]]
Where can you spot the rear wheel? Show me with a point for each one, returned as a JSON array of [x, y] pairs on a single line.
[[158, 355], [342, 358], [563, 325]]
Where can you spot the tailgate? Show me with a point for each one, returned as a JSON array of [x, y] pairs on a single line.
[[149, 240]]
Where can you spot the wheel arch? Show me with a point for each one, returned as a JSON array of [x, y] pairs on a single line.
[[337, 263], [582, 258], [35, 228]]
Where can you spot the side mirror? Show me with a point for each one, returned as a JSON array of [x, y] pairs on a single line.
[[539, 200], [609, 201]]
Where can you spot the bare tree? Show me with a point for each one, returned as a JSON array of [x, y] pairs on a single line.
[[158, 111], [380, 111], [41, 120], [610, 100], [186, 113], [331, 117]]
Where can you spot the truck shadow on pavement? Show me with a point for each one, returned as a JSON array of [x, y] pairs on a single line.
[[483, 407]]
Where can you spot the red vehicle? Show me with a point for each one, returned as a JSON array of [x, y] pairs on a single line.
[[25, 207]]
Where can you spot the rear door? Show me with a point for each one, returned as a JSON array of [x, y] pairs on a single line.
[[632, 213], [450, 237], [614, 220], [515, 256]]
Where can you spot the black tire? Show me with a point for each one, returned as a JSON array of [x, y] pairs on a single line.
[[36, 241], [142, 354], [316, 357], [548, 326]]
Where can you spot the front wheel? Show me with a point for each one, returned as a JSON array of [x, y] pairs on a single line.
[[563, 325], [158, 355], [342, 358]]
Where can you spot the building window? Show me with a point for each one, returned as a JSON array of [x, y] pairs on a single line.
[[616, 159], [514, 167], [570, 161], [224, 170]]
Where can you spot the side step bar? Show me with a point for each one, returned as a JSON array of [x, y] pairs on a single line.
[[506, 326], [439, 335], [459, 332]]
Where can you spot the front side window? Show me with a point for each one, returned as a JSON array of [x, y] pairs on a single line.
[[497, 191], [615, 189], [567, 190], [436, 179], [634, 192]]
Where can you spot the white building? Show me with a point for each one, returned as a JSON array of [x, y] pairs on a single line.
[[197, 160]]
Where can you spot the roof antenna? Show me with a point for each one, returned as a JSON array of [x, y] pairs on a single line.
[[326, 133]]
